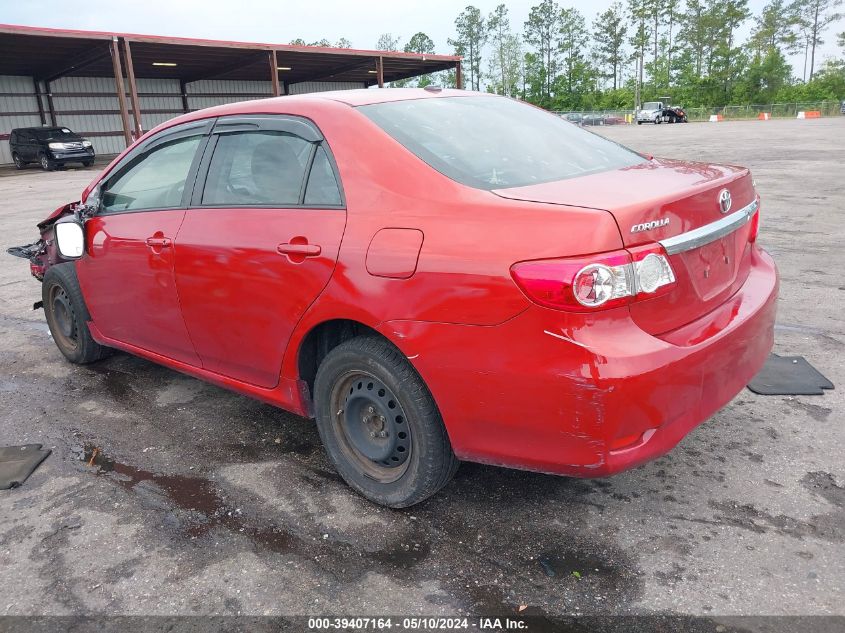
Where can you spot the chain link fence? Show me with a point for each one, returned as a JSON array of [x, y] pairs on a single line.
[[729, 112], [774, 110]]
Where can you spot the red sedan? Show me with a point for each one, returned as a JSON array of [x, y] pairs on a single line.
[[433, 275]]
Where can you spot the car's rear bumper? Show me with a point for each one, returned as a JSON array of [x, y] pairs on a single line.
[[589, 395]]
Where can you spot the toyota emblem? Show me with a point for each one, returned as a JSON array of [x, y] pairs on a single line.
[[724, 200]]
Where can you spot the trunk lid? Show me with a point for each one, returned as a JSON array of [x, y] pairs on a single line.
[[662, 199]]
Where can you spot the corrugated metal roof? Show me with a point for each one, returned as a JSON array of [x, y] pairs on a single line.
[[44, 53]]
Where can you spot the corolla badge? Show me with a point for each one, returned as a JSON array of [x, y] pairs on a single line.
[[724, 201], [647, 226]]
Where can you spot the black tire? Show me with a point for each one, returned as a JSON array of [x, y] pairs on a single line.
[[639, 122], [67, 315], [46, 163], [87, 163], [367, 375], [19, 163]]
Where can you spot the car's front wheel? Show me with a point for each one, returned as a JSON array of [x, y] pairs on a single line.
[[380, 425], [87, 163], [67, 315], [46, 163]]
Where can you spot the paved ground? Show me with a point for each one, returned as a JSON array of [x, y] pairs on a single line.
[[206, 502]]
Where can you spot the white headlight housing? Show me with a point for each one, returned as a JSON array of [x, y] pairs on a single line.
[[56, 146], [86, 143]]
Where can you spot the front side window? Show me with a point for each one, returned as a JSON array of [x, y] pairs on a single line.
[[262, 168], [155, 180], [494, 142]]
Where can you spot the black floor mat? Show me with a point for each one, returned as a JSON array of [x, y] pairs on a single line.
[[789, 376], [19, 462]]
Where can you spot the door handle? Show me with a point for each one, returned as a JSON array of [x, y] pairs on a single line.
[[304, 250], [158, 242]]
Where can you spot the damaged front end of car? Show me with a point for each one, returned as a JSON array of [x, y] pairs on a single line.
[[45, 252]]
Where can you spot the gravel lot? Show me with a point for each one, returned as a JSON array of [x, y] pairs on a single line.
[[205, 502]]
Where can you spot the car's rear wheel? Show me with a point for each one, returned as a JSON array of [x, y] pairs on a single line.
[[380, 425], [67, 315], [19, 163], [46, 163]]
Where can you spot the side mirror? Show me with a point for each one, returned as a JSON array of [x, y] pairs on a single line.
[[70, 237]]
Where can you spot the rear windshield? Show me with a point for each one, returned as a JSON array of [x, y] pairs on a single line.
[[494, 142], [46, 134]]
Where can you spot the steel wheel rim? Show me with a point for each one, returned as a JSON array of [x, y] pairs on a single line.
[[371, 426], [18, 161], [44, 162], [64, 318]]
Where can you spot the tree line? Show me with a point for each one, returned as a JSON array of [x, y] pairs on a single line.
[[693, 52]]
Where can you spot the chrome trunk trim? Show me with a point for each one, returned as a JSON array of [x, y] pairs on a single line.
[[710, 232]]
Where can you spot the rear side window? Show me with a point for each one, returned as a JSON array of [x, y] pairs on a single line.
[[494, 142], [322, 185], [155, 180], [263, 168]]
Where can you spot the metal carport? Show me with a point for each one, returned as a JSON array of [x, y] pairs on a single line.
[[154, 78]]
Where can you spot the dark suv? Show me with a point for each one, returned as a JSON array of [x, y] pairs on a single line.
[[51, 147]]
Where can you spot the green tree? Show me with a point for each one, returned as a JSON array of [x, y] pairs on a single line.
[[386, 42], [692, 38], [301, 42], [499, 26], [765, 76], [541, 32], [534, 79], [470, 37], [419, 43], [775, 28], [572, 41], [506, 61], [734, 14], [814, 18], [640, 37], [609, 30], [656, 11], [343, 43]]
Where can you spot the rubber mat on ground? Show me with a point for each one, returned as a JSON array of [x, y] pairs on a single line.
[[789, 376], [17, 463]]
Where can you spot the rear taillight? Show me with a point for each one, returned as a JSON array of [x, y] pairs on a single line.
[[596, 282], [755, 224]]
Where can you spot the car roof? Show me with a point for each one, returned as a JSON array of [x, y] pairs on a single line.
[[302, 105], [369, 96], [41, 128]]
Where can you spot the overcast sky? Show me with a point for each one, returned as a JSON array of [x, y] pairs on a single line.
[[280, 21]]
